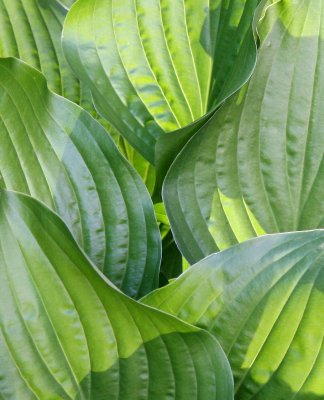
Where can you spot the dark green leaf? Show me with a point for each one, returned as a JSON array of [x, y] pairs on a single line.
[[171, 264]]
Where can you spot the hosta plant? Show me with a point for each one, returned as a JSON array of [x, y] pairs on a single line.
[[138, 138]]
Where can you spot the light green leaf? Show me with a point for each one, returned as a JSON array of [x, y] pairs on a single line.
[[161, 214], [67, 333], [57, 153], [264, 301], [257, 167], [156, 66], [31, 30]]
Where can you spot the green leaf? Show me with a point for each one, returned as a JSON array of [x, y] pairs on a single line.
[[257, 167], [57, 153], [67, 3], [264, 301], [31, 30], [171, 264], [145, 170], [161, 214], [155, 67], [67, 333]]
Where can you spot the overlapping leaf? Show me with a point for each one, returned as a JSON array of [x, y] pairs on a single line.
[[145, 170], [156, 66], [66, 333], [31, 30], [264, 301], [257, 167], [56, 152]]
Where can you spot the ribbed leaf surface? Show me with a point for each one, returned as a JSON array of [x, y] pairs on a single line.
[[56, 152], [66, 333], [264, 301], [257, 167], [156, 66], [31, 30]]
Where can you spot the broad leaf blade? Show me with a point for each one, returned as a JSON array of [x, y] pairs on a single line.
[[31, 30], [155, 67], [66, 333], [56, 152], [264, 301], [257, 167]]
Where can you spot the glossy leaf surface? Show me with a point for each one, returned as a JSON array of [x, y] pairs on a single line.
[[257, 167], [264, 301], [67, 333], [57, 153], [156, 66]]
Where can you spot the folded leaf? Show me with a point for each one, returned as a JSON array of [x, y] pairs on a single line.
[[57, 153], [264, 301], [156, 66], [67, 333], [257, 167]]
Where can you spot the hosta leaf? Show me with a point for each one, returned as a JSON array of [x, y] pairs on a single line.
[[264, 301], [231, 72], [56, 152], [67, 333], [31, 30], [257, 167], [143, 167], [156, 66]]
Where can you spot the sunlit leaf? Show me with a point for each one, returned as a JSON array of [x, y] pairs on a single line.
[[157, 66], [67, 333], [57, 153], [264, 301], [257, 167]]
